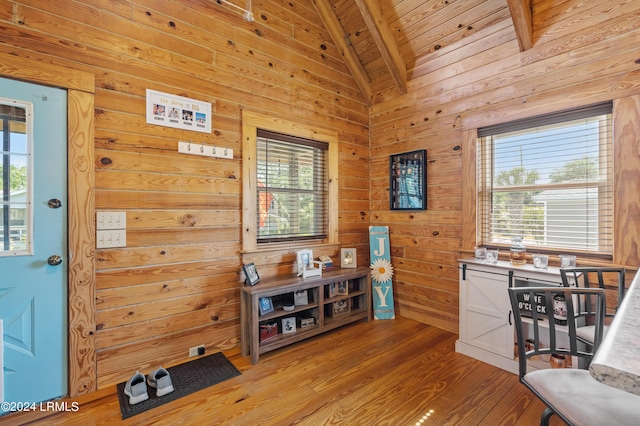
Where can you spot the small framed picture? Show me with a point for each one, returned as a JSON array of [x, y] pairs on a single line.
[[343, 287], [288, 325], [330, 290], [265, 305], [301, 298], [250, 273], [348, 258], [341, 307]]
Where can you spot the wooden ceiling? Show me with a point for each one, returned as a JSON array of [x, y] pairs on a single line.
[[386, 42]]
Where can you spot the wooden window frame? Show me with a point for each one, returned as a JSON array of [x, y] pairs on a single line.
[[486, 189], [251, 122]]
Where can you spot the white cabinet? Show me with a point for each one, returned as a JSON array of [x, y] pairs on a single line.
[[485, 311], [486, 320]]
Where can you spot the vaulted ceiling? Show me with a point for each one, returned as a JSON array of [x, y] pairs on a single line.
[[386, 43]]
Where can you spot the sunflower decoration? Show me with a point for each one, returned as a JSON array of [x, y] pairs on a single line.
[[381, 270]]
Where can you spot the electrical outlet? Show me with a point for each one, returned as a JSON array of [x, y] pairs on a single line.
[[196, 350], [111, 220], [111, 238]]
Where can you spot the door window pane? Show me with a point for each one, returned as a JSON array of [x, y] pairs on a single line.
[[15, 178]]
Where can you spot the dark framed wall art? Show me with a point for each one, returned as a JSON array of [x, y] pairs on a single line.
[[408, 180]]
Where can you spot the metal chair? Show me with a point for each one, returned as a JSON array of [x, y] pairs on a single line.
[[570, 393], [594, 277]]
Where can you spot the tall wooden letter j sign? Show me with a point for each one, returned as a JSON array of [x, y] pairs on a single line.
[[381, 273]]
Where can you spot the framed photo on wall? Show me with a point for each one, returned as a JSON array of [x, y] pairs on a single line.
[[250, 273], [408, 181], [348, 258]]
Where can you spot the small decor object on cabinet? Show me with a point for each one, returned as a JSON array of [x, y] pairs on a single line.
[[349, 258], [518, 252], [527, 305], [327, 263], [250, 273], [288, 325], [301, 298], [307, 267], [265, 305], [480, 253], [307, 322], [567, 261], [331, 290], [540, 261], [268, 331], [343, 287], [341, 307], [492, 257], [408, 179]]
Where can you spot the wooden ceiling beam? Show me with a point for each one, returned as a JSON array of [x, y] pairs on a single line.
[[340, 39], [385, 42], [521, 16]]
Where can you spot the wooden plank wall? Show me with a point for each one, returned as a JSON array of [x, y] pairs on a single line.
[[175, 285], [583, 53]]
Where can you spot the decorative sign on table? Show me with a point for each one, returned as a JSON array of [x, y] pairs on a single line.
[[164, 109], [381, 273]]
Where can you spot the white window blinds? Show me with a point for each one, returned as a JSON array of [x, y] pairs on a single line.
[[549, 180], [292, 188]]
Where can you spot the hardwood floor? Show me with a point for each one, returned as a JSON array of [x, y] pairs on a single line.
[[395, 372]]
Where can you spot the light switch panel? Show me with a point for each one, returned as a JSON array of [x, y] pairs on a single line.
[[111, 238], [111, 220]]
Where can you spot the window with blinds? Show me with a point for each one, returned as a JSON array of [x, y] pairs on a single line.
[[291, 188], [549, 180]]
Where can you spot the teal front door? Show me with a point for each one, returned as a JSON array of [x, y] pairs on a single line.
[[33, 241]]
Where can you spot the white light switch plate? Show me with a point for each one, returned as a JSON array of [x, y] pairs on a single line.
[[111, 238], [111, 220]]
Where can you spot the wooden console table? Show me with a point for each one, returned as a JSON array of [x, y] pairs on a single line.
[[339, 297]]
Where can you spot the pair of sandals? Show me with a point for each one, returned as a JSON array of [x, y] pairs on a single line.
[[136, 387]]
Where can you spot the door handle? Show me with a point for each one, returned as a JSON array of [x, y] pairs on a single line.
[[54, 260], [54, 203]]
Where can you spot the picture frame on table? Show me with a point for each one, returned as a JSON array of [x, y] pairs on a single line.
[[265, 305], [288, 325], [348, 258], [331, 290], [341, 307], [300, 298], [250, 273]]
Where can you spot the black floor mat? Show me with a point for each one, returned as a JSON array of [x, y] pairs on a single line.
[[186, 378]]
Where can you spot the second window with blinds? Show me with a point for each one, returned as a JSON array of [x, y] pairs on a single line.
[[548, 180]]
